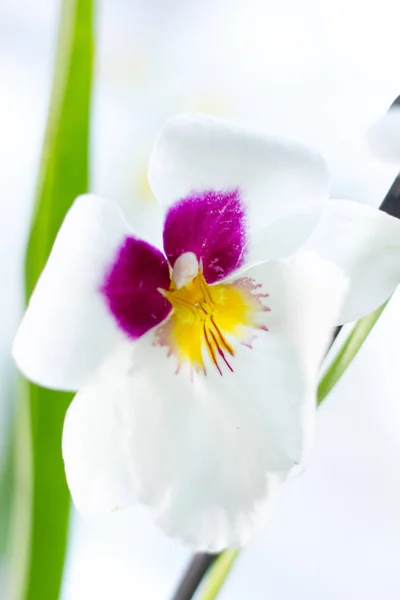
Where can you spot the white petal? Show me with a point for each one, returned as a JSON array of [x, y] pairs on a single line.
[[365, 243], [95, 442], [275, 177], [66, 330], [384, 137], [283, 238], [306, 294], [207, 454]]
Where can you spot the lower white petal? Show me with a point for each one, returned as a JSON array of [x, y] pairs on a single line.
[[95, 440], [199, 457], [67, 330], [207, 453], [365, 243]]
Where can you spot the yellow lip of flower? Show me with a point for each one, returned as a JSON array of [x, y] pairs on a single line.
[[205, 316]]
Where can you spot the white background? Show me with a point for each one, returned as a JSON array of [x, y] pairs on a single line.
[[317, 71]]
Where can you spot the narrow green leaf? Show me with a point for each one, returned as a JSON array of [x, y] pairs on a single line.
[[6, 487], [42, 498], [347, 352], [219, 570]]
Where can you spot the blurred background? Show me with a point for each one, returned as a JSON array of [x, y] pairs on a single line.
[[318, 71]]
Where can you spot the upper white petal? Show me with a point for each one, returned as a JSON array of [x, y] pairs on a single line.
[[384, 137], [365, 243], [275, 177], [207, 454], [66, 330]]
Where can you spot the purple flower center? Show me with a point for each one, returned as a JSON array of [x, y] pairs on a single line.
[[210, 224], [131, 284]]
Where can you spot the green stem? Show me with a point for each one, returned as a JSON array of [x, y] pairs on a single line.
[[41, 499], [219, 571], [348, 351]]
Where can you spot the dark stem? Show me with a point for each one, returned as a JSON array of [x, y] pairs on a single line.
[[196, 570], [202, 562], [391, 202]]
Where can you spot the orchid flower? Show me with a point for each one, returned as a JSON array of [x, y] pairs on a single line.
[[196, 364]]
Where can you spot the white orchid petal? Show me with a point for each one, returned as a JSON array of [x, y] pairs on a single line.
[[207, 453], [275, 177], [365, 243], [305, 297], [95, 442], [283, 238], [67, 330]]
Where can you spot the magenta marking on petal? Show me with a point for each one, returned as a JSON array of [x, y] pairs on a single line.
[[130, 287], [212, 224]]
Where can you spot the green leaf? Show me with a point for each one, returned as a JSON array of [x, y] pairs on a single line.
[[6, 487], [219, 570], [42, 498], [347, 352]]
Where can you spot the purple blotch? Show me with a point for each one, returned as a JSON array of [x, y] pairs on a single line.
[[130, 287], [212, 224]]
